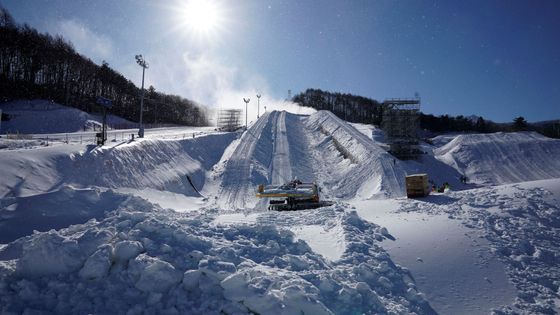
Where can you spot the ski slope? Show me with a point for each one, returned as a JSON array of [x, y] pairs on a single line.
[[118, 229]]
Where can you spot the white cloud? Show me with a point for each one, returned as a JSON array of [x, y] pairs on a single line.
[[206, 80], [86, 41]]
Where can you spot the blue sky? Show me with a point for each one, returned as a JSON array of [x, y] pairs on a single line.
[[497, 59]]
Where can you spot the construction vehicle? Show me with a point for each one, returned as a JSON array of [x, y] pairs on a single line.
[[294, 195]]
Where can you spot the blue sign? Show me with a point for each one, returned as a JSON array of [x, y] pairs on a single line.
[[104, 102]]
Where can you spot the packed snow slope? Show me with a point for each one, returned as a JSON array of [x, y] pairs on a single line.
[[40, 116], [502, 158], [361, 167], [158, 164], [321, 147]]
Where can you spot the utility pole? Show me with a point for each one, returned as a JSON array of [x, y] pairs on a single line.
[[142, 63], [246, 100], [258, 105]]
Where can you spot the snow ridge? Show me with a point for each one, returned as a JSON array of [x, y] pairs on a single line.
[[502, 158], [248, 165], [367, 170], [157, 164]]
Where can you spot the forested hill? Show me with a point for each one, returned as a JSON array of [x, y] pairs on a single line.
[[360, 109], [40, 66], [346, 106]]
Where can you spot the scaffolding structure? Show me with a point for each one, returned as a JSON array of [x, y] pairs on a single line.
[[229, 119], [401, 118]]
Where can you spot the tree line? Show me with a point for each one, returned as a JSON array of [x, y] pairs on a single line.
[[346, 106], [40, 66], [360, 109]]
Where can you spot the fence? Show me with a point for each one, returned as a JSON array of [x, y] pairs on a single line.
[[112, 136]]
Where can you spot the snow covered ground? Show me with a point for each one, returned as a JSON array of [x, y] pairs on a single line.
[[41, 117], [119, 228]]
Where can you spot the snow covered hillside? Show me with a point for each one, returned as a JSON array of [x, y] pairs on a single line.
[[503, 158], [40, 116], [120, 229]]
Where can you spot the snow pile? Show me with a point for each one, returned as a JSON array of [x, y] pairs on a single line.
[[58, 209], [156, 164], [362, 167], [501, 158], [30, 171], [522, 224], [142, 259], [41, 116]]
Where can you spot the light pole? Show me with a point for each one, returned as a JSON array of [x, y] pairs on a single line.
[[142, 63], [258, 105], [246, 100]]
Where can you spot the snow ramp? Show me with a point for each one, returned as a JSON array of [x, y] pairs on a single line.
[[248, 165], [502, 158], [353, 165], [273, 151]]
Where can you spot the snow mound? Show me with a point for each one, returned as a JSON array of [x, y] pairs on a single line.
[[141, 258], [501, 158], [359, 166], [157, 164], [41, 116], [21, 216]]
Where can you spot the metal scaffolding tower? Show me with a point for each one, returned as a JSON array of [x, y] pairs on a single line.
[[401, 120], [229, 119]]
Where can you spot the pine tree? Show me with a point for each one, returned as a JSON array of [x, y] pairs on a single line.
[[520, 124]]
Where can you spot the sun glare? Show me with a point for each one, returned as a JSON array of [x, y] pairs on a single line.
[[202, 17]]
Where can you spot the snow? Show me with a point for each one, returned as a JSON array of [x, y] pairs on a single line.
[[328, 241], [434, 247], [362, 168], [503, 158], [118, 228], [40, 117]]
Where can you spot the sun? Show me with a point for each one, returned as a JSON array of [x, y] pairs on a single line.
[[203, 18]]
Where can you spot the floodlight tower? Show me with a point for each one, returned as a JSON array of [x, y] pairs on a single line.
[[258, 105], [246, 100], [142, 63]]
